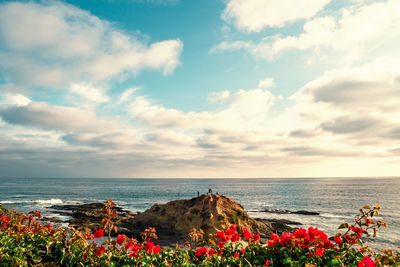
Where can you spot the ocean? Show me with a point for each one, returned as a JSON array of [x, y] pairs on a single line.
[[336, 199]]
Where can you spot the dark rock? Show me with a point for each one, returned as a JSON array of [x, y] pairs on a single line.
[[284, 221], [304, 212], [301, 212], [53, 220], [91, 215]]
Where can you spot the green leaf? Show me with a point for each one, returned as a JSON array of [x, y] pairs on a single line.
[[287, 261], [333, 262], [343, 225]]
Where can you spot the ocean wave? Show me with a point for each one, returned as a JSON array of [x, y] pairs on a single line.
[[52, 201], [331, 215]]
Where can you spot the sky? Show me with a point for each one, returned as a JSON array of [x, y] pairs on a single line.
[[211, 88]]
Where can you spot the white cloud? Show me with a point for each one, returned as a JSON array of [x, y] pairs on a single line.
[[89, 92], [246, 110], [15, 100], [358, 32], [331, 115], [354, 106], [348, 117], [54, 44], [232, 46], [218, 96], [266, 83], [127, 94], [256, 15], [159, 56], [157, 115], [58, 118]]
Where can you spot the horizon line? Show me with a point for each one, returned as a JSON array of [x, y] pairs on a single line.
[[212, 178]]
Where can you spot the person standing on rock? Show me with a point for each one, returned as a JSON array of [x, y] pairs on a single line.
[[210, 191]]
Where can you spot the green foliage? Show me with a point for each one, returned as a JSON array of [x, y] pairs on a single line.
[[26, 242]]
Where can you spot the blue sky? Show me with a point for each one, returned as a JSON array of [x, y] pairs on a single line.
[[180, 88]]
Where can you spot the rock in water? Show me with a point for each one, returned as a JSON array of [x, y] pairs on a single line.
[[211, 213], [91, 215]]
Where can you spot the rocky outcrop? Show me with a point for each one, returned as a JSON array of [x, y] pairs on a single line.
[[91, 215], [176, 219], [211, 213]]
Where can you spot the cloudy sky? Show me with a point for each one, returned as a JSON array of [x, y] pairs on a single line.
[[211, 88]]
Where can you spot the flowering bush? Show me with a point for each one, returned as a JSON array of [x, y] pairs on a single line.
[[24, 242]]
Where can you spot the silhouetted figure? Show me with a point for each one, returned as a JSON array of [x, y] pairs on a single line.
[[210, 191], [198, 193]]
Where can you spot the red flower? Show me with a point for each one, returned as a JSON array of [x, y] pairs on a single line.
[[366, 262], [5, 220], [232, 229], [211, 252], [312, 232], [338, 240], [301, 233], [48, 226], [89, 236], [319, 252], [201, 251], [52, 231], [235, 237], [327, 243], [256, 237], [352, 240], [135, 248], [220, 252], [156, 249], [98, 234], [285, 239], [267, 263], [129, 245], [120, 239], [357, 230], [275, 239], [242, 251], [247, 234], [133, 254], [149, 247], [85, 255], [222, 236], [236, 255], [100, 250], [220, 245]]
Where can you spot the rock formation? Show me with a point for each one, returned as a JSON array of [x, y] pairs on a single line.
[[90, 215], [176, 219], [211, 213]]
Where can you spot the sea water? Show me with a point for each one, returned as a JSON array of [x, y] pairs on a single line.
[[336, 199]]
